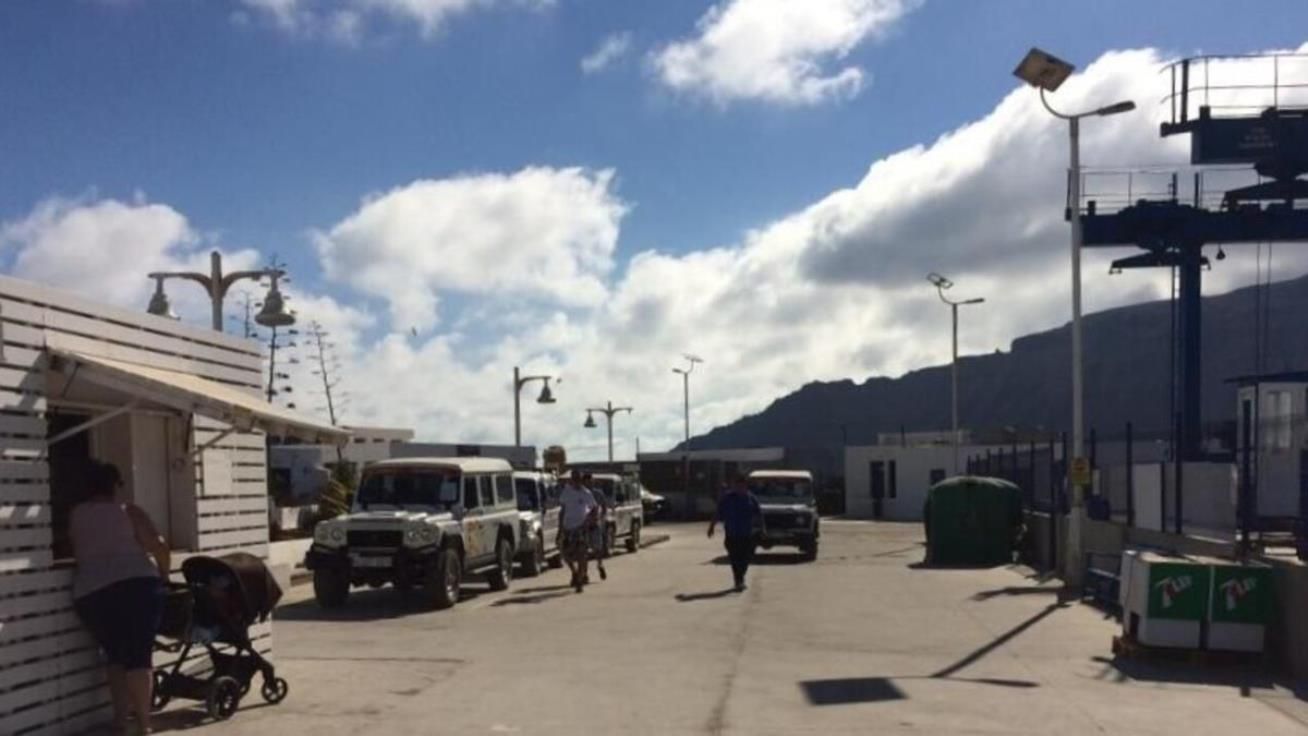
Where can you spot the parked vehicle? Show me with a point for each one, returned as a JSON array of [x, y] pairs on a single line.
[[790, 516], [538, 512], [420, 522], [625, 516]]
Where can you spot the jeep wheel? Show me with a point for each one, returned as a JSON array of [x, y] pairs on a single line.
[[534, 564], [502, 575], [633, 540], [610, 539], [331, 586], [444, 579]]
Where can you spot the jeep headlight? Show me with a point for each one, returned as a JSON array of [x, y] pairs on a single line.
[[320, 533], [419, 535], [328, 534], [337, 534]]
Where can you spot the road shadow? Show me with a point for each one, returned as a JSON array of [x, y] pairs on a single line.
[[541, 589], [999, 641], [1245, 678], [849, 690], [372, 604], [766, 558], [531, 599], [185, 718], [691, 597], [1018, 590], [924, 565]]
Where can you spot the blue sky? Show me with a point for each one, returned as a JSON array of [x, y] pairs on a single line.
[[259, 134]]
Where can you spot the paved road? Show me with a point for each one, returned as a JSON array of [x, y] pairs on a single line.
[[862, 641]]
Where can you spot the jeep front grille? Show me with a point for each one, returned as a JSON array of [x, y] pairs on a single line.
[[374, 538]]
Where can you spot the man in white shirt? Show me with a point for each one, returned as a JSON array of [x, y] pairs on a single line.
[[577, 511]]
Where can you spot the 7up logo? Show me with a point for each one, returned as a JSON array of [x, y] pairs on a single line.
[[1171, 587], [1236, 589]]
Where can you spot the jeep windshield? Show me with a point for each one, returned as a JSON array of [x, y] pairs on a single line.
[[786, 490], [409, 488]]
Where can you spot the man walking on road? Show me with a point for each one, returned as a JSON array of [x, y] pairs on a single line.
[[737, 510], [599, 544], [577, 511]]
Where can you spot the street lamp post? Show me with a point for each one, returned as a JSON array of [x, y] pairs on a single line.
[[1048, 72], [608, 411], [691, 360], [217, 283], [546, 397], [941, 283]]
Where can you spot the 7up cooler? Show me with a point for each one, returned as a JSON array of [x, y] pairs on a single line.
[[1241, 605], [1164, 599]]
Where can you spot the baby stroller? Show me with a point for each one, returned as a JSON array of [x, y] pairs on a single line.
[[221, 598]]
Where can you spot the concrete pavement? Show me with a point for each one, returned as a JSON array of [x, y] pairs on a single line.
[[863, 640]]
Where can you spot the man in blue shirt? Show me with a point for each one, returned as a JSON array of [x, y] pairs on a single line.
[[738, 510]]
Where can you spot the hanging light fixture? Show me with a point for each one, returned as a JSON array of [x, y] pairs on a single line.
[[274, 312], [159, 305], [590, 421], [546, 396]]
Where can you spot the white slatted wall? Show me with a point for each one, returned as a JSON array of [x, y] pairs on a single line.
[[50, 676]]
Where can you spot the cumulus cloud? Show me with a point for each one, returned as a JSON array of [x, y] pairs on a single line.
[[345, 20], [777, 51], [537, 234], [610, 50], [103, 248]]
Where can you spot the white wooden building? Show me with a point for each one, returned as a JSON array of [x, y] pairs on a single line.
[[177, 409]]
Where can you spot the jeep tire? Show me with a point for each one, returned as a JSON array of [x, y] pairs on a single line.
[[633, 540], [809, 547], [502, 574], [331, 586], [444, 579], [534, 564]]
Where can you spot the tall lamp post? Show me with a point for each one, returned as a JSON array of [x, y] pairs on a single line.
[[546, 397], [1048, 72], [942, 284], [608, 411], [691, 361], [217, 283]]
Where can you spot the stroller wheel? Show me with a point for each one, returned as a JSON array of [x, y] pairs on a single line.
[[159, 695], [274, 690], [224, 697]]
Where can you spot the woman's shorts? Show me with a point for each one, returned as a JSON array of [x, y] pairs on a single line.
[[123, 619]]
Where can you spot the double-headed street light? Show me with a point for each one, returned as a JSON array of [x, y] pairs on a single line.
[[546, 397], [942, 284], [273, 313], [608, 411], [1048, 72], [691, 361]]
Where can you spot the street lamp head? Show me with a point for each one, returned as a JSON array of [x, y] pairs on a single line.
[[274, 312], [978, 300], [939, 281], [546, 396], [159, 305], [1043, 70], [590, 421], [1116, 108]]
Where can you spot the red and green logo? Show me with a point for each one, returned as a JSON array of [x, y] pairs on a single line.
[[1178, 591], [1243, 595]]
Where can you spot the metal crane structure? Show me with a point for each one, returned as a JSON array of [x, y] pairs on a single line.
[[1230, 122]]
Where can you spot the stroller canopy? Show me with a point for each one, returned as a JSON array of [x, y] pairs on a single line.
[[258, 591]]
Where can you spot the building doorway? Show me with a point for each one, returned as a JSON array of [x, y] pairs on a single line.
[[877, 480]]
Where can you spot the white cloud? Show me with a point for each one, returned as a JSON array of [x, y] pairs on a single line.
[[610, 50], [537, 234], [345, 20], [777, 51], [103, 248]]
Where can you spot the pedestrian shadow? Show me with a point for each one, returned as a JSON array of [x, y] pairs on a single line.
[[541, 589], [192, 716], [690, 597]]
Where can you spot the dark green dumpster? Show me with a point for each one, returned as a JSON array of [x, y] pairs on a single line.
[[972, 520]]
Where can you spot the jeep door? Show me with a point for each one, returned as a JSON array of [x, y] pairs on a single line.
[[621, 514], [474, 548], [549, 523], [505, 505]]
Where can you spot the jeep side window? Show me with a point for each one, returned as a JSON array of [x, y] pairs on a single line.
[[487, 491], [504, 488], [470, 498]]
